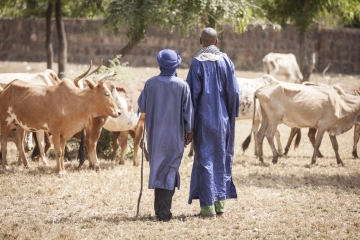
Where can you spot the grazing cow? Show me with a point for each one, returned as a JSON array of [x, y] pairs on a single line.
[[283, 64], [62, 109], [247, 90], [326, 108], [312, 131], [125, 96]]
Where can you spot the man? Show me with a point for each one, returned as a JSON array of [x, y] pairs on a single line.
[[215, 95], [169, 121]]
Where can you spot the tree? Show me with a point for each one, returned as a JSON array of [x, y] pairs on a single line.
[[45, 8], [180, 16], [304, 14]]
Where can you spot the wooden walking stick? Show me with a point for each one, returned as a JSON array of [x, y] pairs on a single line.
[[141, 175]]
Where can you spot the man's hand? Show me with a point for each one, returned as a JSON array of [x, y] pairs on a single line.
[[188, 138]]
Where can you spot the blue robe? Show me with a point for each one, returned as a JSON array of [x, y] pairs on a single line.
[[215, 96], [167, 103]]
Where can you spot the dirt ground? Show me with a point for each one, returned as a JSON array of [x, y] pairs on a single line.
[[288, 200]]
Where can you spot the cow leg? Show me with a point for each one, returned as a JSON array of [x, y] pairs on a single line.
[[280, 148], [4, 139], [335, 146], [317, 143], [311, 135], [123, 145], [93, 132], [57, 149], [139, 130], [40, 136], [255, 131], [19, 141], [137, 141], [270, 137], [356, 139], [62, 153], [261, 134], [115, 145], [290, 139]]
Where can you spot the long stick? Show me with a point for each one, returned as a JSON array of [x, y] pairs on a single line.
[[141, 178]]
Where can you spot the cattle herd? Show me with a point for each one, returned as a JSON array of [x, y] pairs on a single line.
[[42, 103]]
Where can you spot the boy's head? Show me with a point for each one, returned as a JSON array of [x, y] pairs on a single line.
[[169, 61]]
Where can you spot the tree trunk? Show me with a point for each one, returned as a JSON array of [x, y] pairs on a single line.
[[128, 48], [48, 44], [62, 58]]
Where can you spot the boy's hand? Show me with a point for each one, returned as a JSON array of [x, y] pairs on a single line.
[[188, 138]]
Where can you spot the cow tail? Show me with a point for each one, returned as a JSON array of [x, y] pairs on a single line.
[[246, 143], [298, 138], [82, 151]]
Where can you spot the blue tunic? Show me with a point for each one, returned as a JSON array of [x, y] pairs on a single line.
[[167, 103], [215, 95]]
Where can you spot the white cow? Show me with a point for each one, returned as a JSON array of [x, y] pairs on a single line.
[[326, 108], [282, 64], [247, 89]]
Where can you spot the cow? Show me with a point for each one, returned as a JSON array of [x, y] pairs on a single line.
[[312, 131], [28, 141], [62, 109], [47, 77], [125, 96], [326, 108], [247, 89], [282, 64]]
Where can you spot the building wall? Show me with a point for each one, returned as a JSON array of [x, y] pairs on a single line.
[[24, 40]]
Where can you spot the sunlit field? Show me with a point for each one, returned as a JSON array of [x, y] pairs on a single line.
[[289, 200]]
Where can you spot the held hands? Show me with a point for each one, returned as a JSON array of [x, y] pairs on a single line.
[[188, 138]]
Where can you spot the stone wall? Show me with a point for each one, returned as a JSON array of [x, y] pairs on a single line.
[[24, 40]]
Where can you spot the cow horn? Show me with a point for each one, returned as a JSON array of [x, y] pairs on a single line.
[[77, 79], [106, 76], [96, 69]]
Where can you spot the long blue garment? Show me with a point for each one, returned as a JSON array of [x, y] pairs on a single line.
[[167, 103], [215, 95]]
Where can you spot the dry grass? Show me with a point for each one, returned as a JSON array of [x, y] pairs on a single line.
[[290, 200]]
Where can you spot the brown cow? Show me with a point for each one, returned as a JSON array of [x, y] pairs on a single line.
[[125, 96], [62, 110], [47, 78]]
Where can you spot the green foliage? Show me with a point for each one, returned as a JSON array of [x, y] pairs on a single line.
[[181, 15], [305, 13], [37, 8]]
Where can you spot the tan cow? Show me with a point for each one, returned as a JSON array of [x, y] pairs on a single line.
[[326, 108], [47, 78], [312, 131], [62, 110], [282, 64]]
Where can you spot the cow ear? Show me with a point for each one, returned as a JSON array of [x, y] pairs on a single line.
[[90, 83], [101, 83]]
